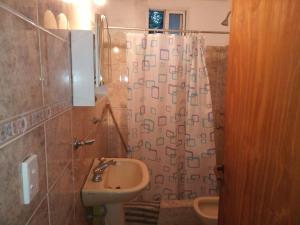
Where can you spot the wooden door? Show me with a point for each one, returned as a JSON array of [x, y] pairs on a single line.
[[262, 128]]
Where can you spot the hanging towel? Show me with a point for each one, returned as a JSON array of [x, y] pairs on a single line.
[[140, 213]]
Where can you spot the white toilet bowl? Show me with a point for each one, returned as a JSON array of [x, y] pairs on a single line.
[[207, 209]]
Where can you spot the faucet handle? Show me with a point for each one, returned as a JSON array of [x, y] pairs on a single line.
[[78, 143], [98, 170], [101, 160], [89, 142]]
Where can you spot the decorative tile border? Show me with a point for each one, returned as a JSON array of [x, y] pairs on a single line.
[[21, 124]]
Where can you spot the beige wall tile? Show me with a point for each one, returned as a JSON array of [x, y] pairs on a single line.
[[40, 217], [81, 214], [20, 85], [84, 128], [81, 171], [56, 68], [58, 145], [61, 199], [53, 14], [27, 8], [216, 61], [117, 93], [21, 91], [12, 209]]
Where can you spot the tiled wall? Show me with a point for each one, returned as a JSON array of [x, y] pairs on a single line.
[[216, 60], [117, 90], [35, 113], [107, 144], [85, 129]]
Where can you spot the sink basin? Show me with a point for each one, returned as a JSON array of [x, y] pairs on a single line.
[[120, 183]]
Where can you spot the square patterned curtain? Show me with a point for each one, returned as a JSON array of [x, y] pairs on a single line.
[[170, 115]]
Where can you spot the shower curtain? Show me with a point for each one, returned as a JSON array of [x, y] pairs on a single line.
[[170, 116]]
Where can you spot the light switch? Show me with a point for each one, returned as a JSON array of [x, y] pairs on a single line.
[[30, 178]]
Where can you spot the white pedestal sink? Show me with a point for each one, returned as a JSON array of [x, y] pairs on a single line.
[[120, 183]]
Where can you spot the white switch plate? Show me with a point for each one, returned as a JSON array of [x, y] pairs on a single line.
[[30, 178]]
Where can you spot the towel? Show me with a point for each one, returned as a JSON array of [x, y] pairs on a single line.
[[140, 213]]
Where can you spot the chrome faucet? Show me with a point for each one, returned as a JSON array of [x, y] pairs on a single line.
[[78, 143], [100, 168]]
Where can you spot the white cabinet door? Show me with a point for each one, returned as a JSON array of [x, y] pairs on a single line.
[[83, 67]]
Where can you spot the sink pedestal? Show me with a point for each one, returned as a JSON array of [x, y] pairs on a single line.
[[115, 214]]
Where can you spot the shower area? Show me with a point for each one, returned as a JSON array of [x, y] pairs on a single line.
[[167, 93]]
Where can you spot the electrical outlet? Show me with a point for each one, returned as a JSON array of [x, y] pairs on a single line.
[[30, 178]]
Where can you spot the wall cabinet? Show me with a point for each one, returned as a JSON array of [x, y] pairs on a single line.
[[83, 67]]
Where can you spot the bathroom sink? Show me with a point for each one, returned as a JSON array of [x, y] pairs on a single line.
[[120, 183]]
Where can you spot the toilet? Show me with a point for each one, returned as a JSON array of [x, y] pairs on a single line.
[[207, 209]]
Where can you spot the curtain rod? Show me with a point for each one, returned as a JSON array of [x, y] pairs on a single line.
[[167, 30]]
